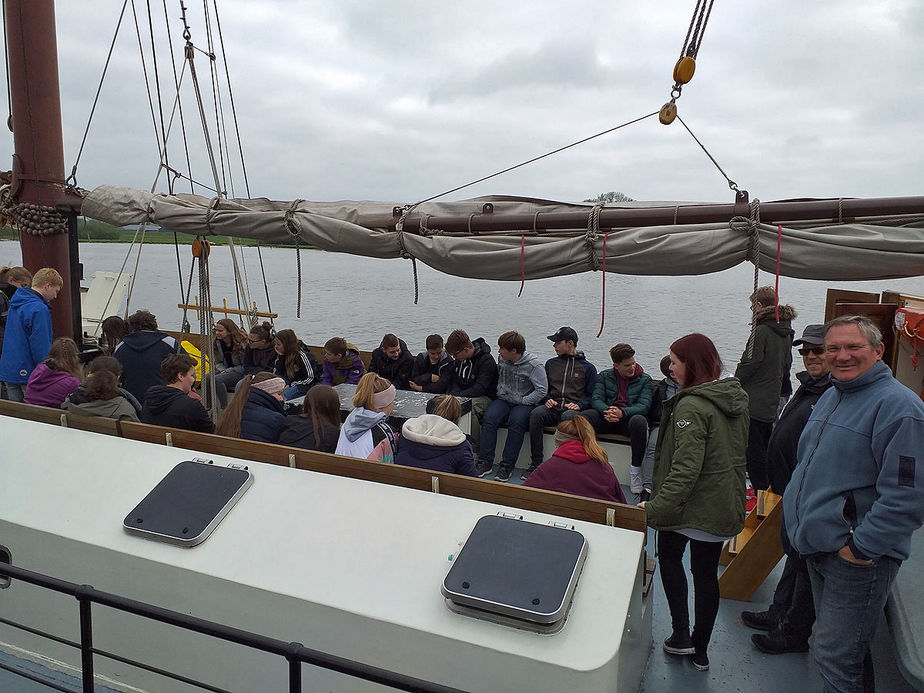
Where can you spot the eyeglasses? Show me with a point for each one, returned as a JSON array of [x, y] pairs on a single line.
[[817, 351]]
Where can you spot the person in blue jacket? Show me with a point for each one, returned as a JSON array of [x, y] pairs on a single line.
[[256, 410], [855, 497], [28, 334]]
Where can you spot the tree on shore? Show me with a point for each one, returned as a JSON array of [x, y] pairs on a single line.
[[611, 196]]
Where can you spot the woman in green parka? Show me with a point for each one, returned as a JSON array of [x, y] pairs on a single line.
[[698, 494]]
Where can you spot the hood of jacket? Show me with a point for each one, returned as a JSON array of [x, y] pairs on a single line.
[[108, 408], [482, 349], [347, 361], [726, 395], [573, 451], [359, 421], [26, 296], [814, 385], [767, 316], [159, 398], [431, 429], [265, 400], [142, 340]]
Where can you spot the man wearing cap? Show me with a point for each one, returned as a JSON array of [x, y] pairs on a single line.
[[791, 615], [856, 497], [571, 385]]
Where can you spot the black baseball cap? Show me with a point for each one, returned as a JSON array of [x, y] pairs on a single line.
[[812, 334], [564, 334]]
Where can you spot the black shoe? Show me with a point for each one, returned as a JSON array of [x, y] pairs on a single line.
[[760, 620], [503, 474], [484, 469], [529, 470], [777, 642], [700, 660], [644, 496], [679, 644]]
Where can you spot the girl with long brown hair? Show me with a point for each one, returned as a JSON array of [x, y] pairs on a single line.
[[579, 465], [56, 377], [365, 432], [318, 425], [255, 412], [294, 364]]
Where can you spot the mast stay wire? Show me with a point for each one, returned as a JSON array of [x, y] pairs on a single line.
[[240, 147], [147, 82], [72, 178], [160, 104], [177, 80]]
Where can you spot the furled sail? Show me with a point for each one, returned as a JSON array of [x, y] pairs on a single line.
[[879, 248]]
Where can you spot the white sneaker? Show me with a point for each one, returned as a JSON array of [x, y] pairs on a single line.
[[635, 480]]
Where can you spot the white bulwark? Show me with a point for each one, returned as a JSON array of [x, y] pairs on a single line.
[[348, 567]]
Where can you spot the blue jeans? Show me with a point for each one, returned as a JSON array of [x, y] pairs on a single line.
[[295, 391], [15, 392], [849, 599], [499, 412]]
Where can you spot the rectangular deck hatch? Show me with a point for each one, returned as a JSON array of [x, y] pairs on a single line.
[[517, 573], [189, 502]]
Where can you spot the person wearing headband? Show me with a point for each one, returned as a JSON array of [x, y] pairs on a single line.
[[255, 412], [366, 433]]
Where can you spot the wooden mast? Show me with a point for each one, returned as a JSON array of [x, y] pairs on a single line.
[[38, 160]]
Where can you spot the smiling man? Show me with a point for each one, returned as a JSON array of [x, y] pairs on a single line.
[[856, 497]]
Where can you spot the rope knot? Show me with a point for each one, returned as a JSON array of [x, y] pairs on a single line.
[[592, 234], [288, 220]]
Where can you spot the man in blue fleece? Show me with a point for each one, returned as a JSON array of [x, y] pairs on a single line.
[[856, 497]]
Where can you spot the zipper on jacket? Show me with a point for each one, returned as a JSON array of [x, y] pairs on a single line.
[[811, 457]]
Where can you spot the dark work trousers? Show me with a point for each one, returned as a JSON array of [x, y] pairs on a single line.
[[704, 564], [793, 605], [635, 426], [758, 437]]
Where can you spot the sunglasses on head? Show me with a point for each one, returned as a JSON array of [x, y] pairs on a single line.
[[817, 350]]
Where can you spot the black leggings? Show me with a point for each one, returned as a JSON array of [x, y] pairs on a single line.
[[704, 564]]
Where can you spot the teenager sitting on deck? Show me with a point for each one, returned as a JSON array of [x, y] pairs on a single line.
[[318, 426], [295, 364], [342, 363], [435, 441], [170, 404], [365, 433], [56, 377], [255, 412], [473, 374], [393, 361], [259, 354], [571, 386], [622, 398], [579, 465], [111, 365], [430, 372], [102, 397], [142, 351], [521, 385]]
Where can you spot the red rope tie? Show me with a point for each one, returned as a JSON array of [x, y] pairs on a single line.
[[776, 290], [522, 264], [603, 298]]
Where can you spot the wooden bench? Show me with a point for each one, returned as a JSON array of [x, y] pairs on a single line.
[[551, 502]]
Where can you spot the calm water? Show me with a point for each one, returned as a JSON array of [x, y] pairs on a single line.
[[363, 298]]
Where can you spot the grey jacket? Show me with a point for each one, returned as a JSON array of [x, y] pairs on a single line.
[[523, 382]]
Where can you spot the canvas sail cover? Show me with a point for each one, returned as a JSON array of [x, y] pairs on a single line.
[[881, 248]]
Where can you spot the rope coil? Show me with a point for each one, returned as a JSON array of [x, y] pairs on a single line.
[[399, 231]]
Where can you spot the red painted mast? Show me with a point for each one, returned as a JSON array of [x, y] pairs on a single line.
[[38, 161]]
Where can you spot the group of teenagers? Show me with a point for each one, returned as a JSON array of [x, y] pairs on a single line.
[[848, 439]]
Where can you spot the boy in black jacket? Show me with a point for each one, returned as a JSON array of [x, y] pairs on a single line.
[[473, 374]]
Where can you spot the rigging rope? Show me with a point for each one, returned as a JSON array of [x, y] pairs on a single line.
[[178, 104], [72, 179], [686, 63], [535, 158], [603, 296], [160, 103], [731, 184], [147, 83]]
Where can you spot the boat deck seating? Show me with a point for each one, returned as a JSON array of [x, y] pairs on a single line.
[[551, 502]]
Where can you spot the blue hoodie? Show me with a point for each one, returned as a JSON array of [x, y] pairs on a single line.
[[860, 477], [28, 336]]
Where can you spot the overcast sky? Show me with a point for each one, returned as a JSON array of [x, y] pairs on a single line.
[[401, 100]]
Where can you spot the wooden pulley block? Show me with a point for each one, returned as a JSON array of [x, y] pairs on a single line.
[[667, 113], [202, 248], [684, 69]]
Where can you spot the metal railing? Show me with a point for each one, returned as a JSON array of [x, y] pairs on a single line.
[[295, 653]]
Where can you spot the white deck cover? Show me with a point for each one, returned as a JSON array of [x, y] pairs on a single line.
[[348, 567]]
